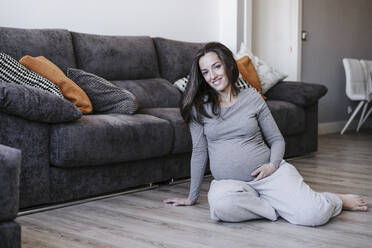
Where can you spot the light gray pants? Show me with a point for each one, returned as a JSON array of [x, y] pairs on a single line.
[[284, 194]]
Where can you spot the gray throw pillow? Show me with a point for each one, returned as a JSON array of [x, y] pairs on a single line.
[[105, 97], [11, 71], [34, 104]]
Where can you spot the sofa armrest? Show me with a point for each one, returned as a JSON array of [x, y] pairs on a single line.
[[10, 167], [33, 139], [299, 93]]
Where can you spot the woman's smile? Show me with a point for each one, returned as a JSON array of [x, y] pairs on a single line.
[[213, 71]]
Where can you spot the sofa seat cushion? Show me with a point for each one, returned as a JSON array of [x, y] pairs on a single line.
[[116, 57], [182, 138], [152, 93], [107, 139], [290, 118]]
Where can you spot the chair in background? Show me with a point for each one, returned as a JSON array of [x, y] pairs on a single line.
[[367, 68], [356, 89]]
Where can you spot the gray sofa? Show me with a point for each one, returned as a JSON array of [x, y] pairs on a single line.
[[10, 165], [104, 153]]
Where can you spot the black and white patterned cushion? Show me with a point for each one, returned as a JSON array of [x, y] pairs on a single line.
[[105, 96], [182, 82], [242, 84], [11, 71]]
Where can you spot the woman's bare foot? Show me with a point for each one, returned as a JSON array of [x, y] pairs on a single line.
[[353, 202]]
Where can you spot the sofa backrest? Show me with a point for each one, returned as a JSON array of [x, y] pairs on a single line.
[[147, 66], [152, 93], [116, 57], [175, 57], [54, 44]]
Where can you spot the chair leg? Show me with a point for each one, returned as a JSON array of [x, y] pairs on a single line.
[[352, 117], [368, 113], [361, 119]]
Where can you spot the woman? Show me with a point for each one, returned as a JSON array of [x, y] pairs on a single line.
[[251, 179]]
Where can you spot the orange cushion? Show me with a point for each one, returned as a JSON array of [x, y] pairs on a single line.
[[249, 73], [70, 90]]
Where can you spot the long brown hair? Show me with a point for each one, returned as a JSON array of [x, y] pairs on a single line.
[[198, 92]]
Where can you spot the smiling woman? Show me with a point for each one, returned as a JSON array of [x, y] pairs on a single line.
[[236, 130], [214, 74]]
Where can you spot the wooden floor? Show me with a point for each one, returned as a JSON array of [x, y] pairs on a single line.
[[343, 164]]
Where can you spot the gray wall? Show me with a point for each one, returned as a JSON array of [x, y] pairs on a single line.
[[240, 33], [337, 29]]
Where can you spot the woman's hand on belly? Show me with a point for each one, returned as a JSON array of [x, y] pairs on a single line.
[[263, 171]]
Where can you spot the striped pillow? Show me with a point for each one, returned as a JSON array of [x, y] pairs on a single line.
[[11, 71]]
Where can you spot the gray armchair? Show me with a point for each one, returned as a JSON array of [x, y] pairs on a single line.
[[10, 162]]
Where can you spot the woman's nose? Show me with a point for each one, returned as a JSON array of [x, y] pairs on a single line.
[[213, 75]]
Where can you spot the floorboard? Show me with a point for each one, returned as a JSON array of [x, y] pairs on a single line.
[[342, 165]]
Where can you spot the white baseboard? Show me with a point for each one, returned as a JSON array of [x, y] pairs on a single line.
[[335, 127]]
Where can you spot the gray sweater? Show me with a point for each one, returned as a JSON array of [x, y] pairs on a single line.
[[234, 142]]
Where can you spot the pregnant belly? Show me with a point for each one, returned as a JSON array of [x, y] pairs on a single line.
[[237, 161]]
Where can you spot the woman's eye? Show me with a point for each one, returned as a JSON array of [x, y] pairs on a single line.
[[204, 73], [218, 66]]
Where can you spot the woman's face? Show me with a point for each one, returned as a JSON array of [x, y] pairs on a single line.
[[214, 72]]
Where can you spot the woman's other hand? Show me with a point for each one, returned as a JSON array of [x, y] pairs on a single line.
[[263, 171], [179, 201]]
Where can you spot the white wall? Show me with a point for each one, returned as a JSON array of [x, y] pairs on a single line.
[[228, 23], [276, 34], [187, 20]]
